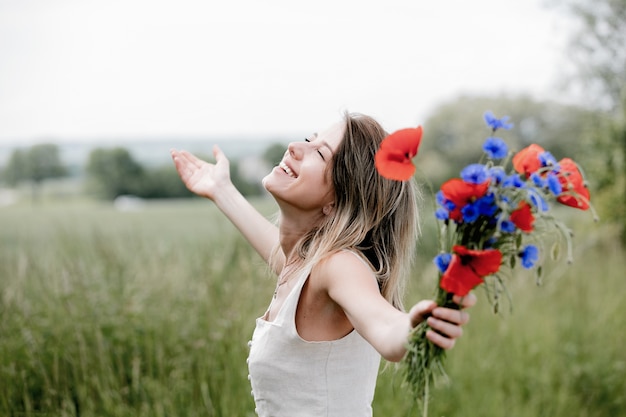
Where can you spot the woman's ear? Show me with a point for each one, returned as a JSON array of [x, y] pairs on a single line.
[[328, 208]]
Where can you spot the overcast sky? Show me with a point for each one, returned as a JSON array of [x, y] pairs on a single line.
[[88, 70]]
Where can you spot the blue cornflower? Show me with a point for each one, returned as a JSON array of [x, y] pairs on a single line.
[[497, 174], [514, 180], [495, 148], [440, 198], [443, 202], [442, 214], [475, 174], [554, 185], [537, 200], [538, 180], [496, 123], [507, 226], [547, 159], [470, 212], [529, 256], [442, 261], [487, 205]]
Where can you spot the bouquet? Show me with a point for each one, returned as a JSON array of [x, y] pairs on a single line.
[[492, 219]]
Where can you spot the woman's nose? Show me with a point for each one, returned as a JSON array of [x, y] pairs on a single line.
[[295, 150]]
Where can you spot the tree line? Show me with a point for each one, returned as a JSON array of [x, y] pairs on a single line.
[[113, 172]]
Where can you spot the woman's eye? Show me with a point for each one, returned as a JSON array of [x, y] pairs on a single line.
[[318, 151]]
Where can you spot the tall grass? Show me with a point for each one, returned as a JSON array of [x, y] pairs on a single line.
[[148, 313]]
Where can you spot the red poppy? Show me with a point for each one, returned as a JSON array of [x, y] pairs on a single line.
[[523, 217], [462, 193], [575, 192], [468, 267], [393, 159], [527, 160]]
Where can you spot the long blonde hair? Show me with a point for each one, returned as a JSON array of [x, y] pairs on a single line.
[[373, 215]]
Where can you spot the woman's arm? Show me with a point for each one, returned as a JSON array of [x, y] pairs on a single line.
[[212, 181], [350, 283]]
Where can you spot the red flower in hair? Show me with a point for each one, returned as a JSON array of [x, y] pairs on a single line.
[[575, 192], [468, 267], [461, 193], [523, 217], [393, 158], [527, 160]]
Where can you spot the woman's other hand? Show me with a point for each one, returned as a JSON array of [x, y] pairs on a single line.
[[445, 323]]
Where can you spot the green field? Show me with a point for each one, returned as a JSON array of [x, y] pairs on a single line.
[[148, 313]]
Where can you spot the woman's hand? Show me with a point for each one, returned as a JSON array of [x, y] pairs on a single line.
[[201, 177], [445, 323]]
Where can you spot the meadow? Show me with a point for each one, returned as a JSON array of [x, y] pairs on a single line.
[[148, 313]]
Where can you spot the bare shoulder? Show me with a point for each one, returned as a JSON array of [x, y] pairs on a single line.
[[343, 268]]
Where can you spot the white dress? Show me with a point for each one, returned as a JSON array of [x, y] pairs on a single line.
[[292, 377]]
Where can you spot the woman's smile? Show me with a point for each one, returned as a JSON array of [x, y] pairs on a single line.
[[287, 169]]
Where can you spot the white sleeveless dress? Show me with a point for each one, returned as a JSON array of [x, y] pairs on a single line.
[[292, 377]]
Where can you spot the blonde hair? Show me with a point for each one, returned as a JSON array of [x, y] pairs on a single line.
[[374, 216]]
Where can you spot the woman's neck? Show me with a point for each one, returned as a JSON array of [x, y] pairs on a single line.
[[291, 231]]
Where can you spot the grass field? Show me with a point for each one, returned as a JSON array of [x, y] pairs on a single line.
[[148, 313]]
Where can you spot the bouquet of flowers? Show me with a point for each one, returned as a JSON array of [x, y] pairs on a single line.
[[492, 219]]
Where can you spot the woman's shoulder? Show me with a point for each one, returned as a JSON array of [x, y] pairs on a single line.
[[343, 263]]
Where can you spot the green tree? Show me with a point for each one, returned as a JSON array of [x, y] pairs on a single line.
[[162, 182], [274, 153], [597, 49], [34, 164], [113, 172], [246, 187], [455, 131], [15, 171]]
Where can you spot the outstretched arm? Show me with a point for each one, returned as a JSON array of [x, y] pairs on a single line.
[[351, 284], [213, 181]]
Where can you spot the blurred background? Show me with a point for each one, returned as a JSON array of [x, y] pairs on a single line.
[[122, 294]]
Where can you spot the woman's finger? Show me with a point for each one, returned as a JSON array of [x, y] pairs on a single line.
[[458, 317], [439, 340], [466, 301], [445, 328], [420, 311]]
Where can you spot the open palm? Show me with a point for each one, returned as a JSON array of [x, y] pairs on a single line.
[[201, 177]]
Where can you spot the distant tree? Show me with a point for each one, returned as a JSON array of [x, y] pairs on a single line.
[[274, 153], [455, 131], [113, 172], [597, 49], [162, 182], [16, 169], [34, 164], [247, 188]]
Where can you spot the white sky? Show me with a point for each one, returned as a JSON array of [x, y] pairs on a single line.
[[92, 69]]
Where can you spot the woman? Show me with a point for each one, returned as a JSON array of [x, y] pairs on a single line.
[[343, 243]]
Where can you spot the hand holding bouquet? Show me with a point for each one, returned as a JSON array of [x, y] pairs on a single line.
[[492, 219]]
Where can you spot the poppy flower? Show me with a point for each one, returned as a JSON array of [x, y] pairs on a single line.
[[461, 193], [572, 180], [527, 160], [393, 158], [523, 217], [467, 269]]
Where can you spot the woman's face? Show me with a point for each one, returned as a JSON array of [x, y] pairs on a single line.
[[302, 179]]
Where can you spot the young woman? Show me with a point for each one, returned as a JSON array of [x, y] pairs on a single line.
[[344, 240]]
